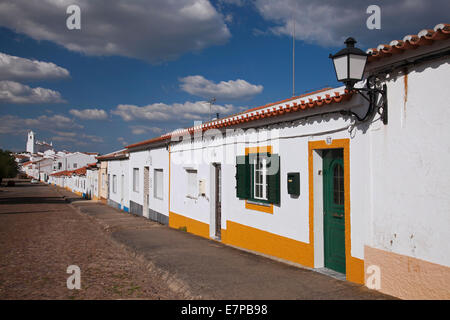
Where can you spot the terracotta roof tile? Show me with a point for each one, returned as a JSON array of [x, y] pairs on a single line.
[[423, 38]]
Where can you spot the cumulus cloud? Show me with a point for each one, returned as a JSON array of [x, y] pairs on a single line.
[[122, 141], [154, 31], [140, 129], [17, 68], [224, 90], [329, 22], [15, 92], [78, 139], [89, 114], [15, 125], [163, 112]]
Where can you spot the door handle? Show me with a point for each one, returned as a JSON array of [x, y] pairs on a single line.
[[335, 215]]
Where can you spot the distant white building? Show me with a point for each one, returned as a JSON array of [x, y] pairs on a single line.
[[35, 146]]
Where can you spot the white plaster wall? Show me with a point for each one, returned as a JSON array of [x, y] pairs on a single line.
[[410, 176], [290, 140], [139, 160], [159, 160], [119, 168]]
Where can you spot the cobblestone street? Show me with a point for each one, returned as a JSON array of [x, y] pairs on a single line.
[[41, 235]]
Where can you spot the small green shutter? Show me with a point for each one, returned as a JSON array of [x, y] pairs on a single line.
[[273, 179], [242, 177]]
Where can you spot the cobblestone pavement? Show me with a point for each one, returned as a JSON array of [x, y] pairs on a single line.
[[124, 256], [41, 235]]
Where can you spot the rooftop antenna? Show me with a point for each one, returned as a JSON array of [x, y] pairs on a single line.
[[293, 56], [211, 102]]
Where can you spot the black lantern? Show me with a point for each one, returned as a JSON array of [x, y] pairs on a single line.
[[349, 65]]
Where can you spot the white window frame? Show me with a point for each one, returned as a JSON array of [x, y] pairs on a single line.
[[114, 184], [158, 184], [263, 174], [136, 179], [192, 183]]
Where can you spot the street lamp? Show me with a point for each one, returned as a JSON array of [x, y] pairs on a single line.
[[349, 65]]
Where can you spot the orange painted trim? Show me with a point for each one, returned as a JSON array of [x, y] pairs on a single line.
[[354, 266], [268, 243], [263, 149], [259, 207], [169, 178], [196, 227]]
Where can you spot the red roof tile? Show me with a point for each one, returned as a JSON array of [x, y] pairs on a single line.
[[258, 113], [409, 42]]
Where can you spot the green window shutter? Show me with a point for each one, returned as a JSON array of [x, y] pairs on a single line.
[[273, 179], [242, 177]]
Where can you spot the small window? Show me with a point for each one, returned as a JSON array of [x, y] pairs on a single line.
[[114, 186], [75, 165], [192, 185], [158, 184], [260, 178], [136, 179]]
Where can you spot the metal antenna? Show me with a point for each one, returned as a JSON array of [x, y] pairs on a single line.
[[293, 57], [211, 102]]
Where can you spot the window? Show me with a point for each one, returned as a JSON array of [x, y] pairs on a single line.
[[136, 179], [114, 184], [158, 190], [75, 165], [258, 177], [192, 185], [103, 181]]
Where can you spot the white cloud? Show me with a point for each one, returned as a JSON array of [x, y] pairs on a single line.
[[89, 114], [17, 68], [224, 90], [15, 125], [177, 111], [122, 141], [78, 139], [15, 92], [154, 31], [330, 22], [140, 129]]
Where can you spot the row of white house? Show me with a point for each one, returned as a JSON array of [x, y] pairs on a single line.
[[305, 181]]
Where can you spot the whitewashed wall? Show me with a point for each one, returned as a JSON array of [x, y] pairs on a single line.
[[410, 198], [291, 218], [119, 168]]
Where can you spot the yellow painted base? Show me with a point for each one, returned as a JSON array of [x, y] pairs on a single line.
[[177, 221], [268, 243]]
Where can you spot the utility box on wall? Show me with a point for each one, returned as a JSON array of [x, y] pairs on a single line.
[[293, 183]]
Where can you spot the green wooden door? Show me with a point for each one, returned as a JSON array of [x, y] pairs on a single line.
[[334, 217]]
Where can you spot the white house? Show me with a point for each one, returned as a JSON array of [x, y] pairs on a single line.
[[149, 179], [73, 161], [326, 179], [118, 179]]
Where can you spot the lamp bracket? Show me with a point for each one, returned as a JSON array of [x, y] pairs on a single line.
[[370, 93]]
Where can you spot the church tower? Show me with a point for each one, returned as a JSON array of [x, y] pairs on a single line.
[[30, 142]]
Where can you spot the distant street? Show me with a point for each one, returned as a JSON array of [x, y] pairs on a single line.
[[45, 229]]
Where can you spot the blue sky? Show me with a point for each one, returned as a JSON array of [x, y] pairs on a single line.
[[129, 75]]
